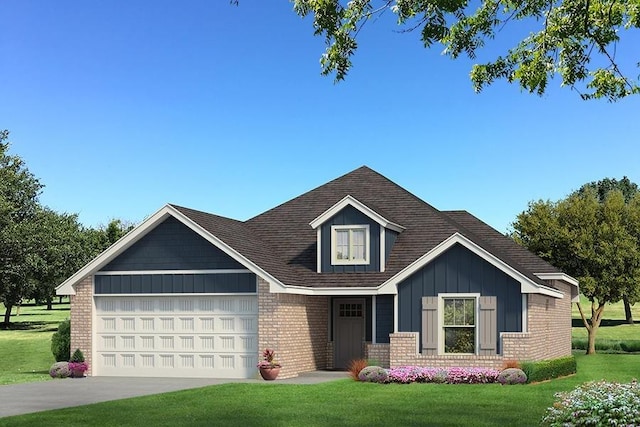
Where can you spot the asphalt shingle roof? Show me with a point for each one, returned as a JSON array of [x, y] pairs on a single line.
[[281, 241]]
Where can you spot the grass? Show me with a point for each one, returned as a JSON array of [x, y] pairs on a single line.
[[613, 326], [342, 402], [25, 348]]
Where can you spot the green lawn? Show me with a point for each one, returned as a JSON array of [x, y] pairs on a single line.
[[613, 325], [342, 402], [25, 348]]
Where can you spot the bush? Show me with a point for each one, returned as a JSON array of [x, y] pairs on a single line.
[[596, 403], [373, 374], [77, 356], [512, 376], [548, 369], [61, 342], [60, 370], [355, 366]]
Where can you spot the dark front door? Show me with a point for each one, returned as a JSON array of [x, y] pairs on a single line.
[[348, 336]]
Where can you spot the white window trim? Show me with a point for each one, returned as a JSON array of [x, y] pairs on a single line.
[[441, 298], [334, 241]]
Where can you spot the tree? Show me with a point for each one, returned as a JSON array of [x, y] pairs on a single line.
[[592, 241], [629, 190], [19, 191], [575, 39], [63, 247]]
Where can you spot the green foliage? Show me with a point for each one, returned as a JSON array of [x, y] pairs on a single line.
[[596, 404], [61, 342], [592, 237], [77, 356], [548, 369], [574, 39], [19, 191]]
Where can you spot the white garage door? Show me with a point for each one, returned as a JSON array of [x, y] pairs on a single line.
[[176, 336]]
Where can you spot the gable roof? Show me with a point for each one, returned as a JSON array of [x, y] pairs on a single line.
[[280, 244]]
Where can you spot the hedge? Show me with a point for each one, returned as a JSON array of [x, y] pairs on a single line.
[[547, 369]]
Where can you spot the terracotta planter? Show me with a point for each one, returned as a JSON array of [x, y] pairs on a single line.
[[269, 374], [77, 373]]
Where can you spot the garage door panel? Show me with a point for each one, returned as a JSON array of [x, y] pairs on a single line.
[[183, 337]]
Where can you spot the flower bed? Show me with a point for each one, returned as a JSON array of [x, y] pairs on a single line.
[[411, 374]]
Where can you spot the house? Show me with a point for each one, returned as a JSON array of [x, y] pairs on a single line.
[[356, 268]]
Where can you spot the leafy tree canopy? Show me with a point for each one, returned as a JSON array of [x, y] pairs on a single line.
[[596, 242], [575, 39]]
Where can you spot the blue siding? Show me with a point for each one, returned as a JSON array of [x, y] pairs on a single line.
[[458, 270], [390, 237], [384, 318], [172, 246], [350, 216], [175, 283]]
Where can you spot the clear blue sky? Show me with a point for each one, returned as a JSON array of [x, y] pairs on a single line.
[[121, 107]]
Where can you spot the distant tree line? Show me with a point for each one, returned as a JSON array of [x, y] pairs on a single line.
[[39, 248]]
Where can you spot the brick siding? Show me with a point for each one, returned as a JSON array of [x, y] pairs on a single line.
[[81, 320], [378, 354], [296, 327], [548, 337]]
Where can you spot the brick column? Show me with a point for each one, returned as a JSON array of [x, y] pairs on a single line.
[[82, 320]]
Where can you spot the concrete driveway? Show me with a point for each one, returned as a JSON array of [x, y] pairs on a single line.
[[17, 399]]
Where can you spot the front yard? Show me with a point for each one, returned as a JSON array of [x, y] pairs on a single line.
[[342, 402]]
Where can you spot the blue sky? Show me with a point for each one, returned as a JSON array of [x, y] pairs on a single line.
[[121, 107]]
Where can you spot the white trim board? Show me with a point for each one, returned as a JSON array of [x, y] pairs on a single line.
[[352, 201]]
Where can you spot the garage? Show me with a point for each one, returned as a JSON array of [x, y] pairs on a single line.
[[176, 335]]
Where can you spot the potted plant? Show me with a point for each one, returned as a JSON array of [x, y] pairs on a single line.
[[269, 367], [77, 365]]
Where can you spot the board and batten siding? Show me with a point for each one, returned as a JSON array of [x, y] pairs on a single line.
[[350, 216], [225, 283], [459, 271], [384, 318], [172, 246]]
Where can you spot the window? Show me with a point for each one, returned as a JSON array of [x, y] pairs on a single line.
[[350, 244], [350, 310], [459, 324]]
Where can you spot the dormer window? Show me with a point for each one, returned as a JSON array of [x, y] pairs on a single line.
[[349, 244]]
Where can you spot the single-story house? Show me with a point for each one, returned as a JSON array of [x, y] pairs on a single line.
[[356, 268]]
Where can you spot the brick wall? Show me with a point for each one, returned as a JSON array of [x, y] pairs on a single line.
[[295, 326], [405, 352], [548, 337], [378, 353], [82, 318]]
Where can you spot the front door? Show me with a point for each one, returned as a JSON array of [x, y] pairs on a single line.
[[348, 336]]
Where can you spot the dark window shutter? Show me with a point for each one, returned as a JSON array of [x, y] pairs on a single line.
[[488, 328], [430, 325]]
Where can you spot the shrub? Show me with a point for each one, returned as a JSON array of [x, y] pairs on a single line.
[[60, 370], [61, 342], [355, 366], [373, 374], [77, 356], [548, 369], [512, 376], [596, 403]]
